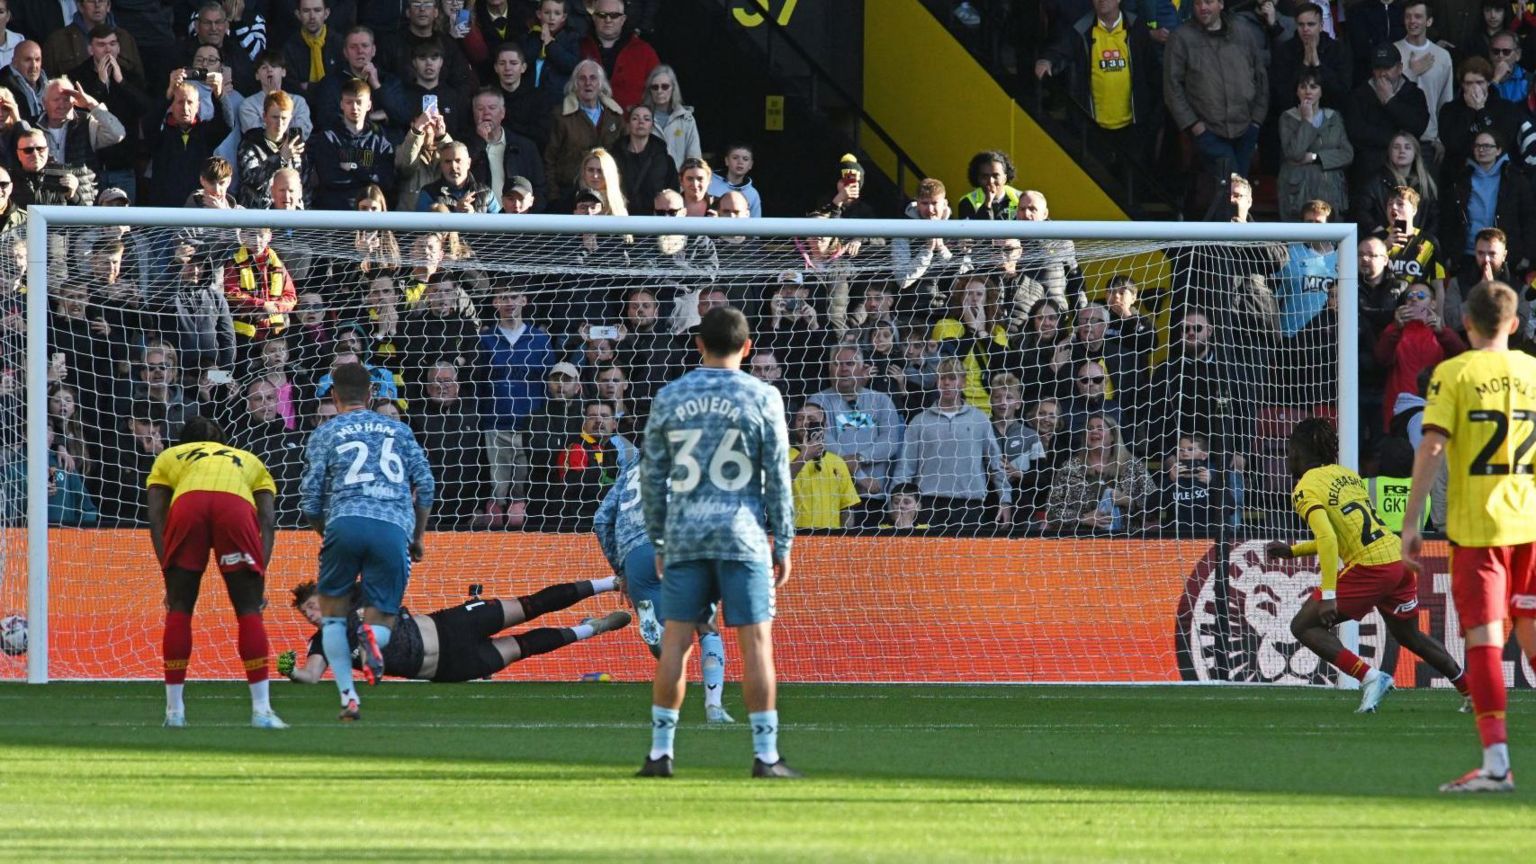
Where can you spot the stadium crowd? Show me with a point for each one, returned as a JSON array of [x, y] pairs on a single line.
[[932, 384]]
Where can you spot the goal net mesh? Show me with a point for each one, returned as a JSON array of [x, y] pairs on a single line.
[[1018, 460]]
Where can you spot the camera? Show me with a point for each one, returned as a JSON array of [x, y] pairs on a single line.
[[793, 304], [196, 75]]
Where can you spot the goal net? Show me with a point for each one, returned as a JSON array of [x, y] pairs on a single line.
[[1024, 451]]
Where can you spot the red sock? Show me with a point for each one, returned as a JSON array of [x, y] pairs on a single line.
[[253, 646], [177, 646], [1350, 664], [1485, 669]]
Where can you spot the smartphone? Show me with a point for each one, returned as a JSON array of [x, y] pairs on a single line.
[[429, 104], [602, 331], [219, 376], [850, 178], [793, 304], [462, 19], [1400, 225]]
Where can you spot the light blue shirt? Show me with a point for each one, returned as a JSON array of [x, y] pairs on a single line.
[[714, 479], [362, 463], [619, 522], [1303, 286]]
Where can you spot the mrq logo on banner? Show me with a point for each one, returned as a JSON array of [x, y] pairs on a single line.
[[1253, 643]]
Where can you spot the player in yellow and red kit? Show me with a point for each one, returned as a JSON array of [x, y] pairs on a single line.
[[205, 495], [1335, 504], [1480, 415]]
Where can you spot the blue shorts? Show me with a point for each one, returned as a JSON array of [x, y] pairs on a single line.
[[691, 587], [640, 575], [376, 550]]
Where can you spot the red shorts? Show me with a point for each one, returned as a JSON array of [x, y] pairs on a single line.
[[1391, 588], [1491, 583], [221, 521]]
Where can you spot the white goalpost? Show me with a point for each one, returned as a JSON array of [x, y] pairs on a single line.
[[953, 591]]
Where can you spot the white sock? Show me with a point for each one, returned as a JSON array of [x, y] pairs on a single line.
[[583, 631], [173, 699], [605, 584], [260, 704], [1371, 676], [349, 695], [1496, 759]]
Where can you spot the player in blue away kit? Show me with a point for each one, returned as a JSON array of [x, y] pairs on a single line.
[[714, 482], [367, 489], [620, 529]]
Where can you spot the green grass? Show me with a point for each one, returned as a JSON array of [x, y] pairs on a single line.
[[504, 772]]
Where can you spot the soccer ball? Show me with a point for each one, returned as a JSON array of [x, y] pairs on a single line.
[[13, 635]]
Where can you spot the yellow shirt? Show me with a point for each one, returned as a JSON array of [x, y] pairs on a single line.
[[204, 466], [823, 489], [1109, 75], [975, 390], [1344, 499], [1485, 403]]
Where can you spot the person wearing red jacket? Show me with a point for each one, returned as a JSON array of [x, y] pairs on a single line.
[[627, 58], [1415, 340], [258, 287]]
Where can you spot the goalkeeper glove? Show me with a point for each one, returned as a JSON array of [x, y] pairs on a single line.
[[285, 663]]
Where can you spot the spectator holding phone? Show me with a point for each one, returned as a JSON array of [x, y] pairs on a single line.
[[456, 21], [397, 51], [182, 146], [434, 94], [265, 151], [825, 496], [1193, 498], [1416, 339]]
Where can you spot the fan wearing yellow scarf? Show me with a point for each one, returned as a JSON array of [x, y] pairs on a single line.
[[257, 285]]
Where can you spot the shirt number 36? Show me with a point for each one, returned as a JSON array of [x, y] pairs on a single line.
[[729, 468]]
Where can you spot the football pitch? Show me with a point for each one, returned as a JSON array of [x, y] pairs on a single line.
[[516, 772]]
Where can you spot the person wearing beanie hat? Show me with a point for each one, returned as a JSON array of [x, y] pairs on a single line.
[[846, 204]]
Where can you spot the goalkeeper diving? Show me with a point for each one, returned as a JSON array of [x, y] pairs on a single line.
[[459, 643]]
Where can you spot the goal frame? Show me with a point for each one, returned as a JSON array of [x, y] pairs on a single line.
[[41, 219]]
